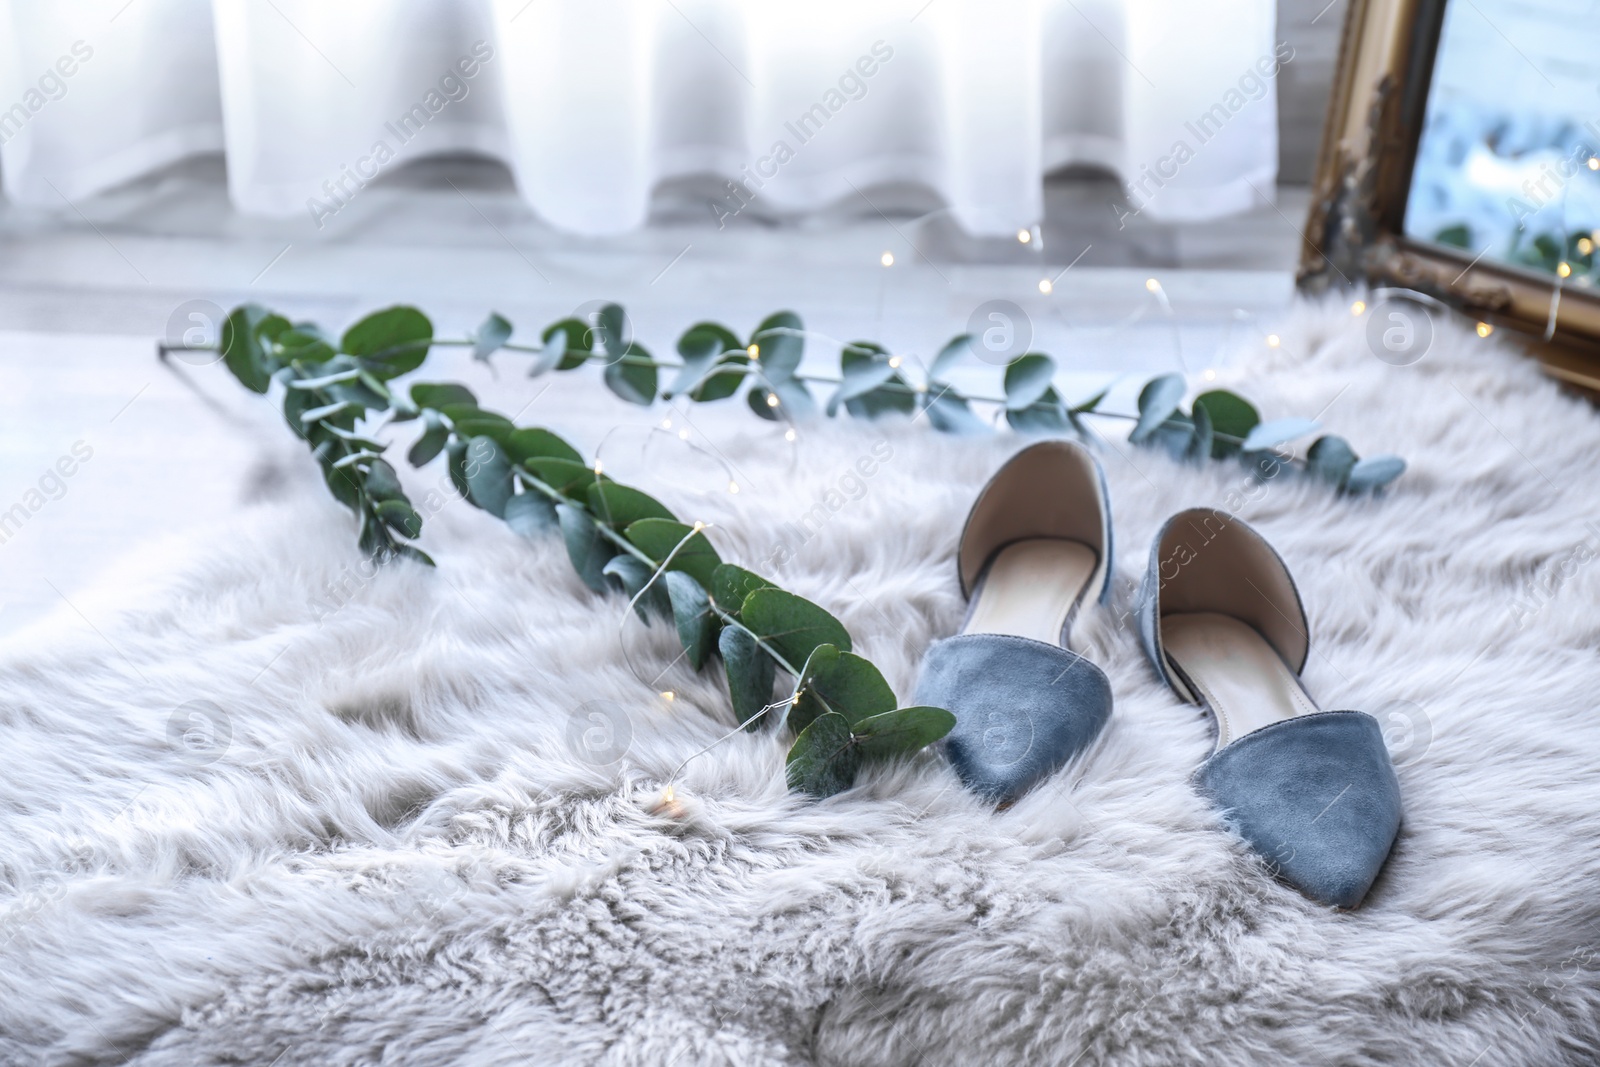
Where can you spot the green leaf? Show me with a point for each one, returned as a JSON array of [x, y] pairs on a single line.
[[382, 483], [900, 732], [241, 348], [332, 411], [697, 624], [345, 485], [488, 475], [1158, 399], [567, 477], [791, 624], [456, 462], [823, 761], [413, 553], [1370, 475], [820, 661], [611, 330], [861, 371], [431, 443], [1268, 435], [1092, 403], [576, 344], [1331, 459], [1232, 415], [491, 336], [750, 673], [850, 685], [954, 351], [779, 345], [399, 515], [635, 574], [474, 422], [270, 327], [795, 402], [587, 547], [731, 584], [530, 515], [634, 382], [1199, 447], [701, 347], [533, 442], [948, 412], [1045, 416], [657, 538], [391, 342], [619, 506], [1028, 377], [303, 346], [441, 395], [726, 381]]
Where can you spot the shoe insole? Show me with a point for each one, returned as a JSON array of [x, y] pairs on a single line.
[[1031, 587], [1234, 671]]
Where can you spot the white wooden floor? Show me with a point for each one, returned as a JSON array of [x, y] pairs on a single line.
[[84, 293]]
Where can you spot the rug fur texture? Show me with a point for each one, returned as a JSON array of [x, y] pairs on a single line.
[[288, 811]]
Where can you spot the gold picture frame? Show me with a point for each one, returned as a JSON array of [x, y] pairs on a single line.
[[1363, 177]]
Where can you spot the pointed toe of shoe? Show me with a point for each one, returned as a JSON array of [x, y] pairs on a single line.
[[1023, 708], [1316, 796]]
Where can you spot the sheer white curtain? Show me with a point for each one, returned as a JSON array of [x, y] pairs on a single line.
[[590, 103]]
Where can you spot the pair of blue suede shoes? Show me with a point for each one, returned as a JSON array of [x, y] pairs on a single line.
[[1312, 791]]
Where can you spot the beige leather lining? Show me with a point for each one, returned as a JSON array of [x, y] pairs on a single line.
[[1239, 676], [1210, 563], [1048, 490], [1031, 588]]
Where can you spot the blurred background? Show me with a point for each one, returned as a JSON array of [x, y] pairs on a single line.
[[1127, 177]]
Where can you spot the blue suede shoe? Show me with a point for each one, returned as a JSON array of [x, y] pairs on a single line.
[[1312, 791], [1038, 540]]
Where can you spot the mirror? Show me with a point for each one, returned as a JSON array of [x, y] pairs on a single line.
[[1506, 164]]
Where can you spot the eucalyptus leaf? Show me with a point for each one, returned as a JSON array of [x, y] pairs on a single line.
[[1047, 415], [1331, 458], [734, 367], [691, 613], [794, 401], [750, 673], [948, 412], [954, 351], [1369, 475], [390, 342], [441, 395], [1199, 447], [823, 761], [689, 550], [1090, 404], [534, 443], [900, 732], [586, 546], [530, 515], [382, 483], [619, 506], [491, 336], [861, 371], [731, 584], [488, 475], [701, 347], [791, 624], [399, 515], [567, 477], [779, 345], [850, 685], [634, 575], [1232, 416], [431, 443], [632, 376], [455, 452], [241, 348], [611, 326], [1157, 400], [1271, 434], [576, 344], [1028, 378]]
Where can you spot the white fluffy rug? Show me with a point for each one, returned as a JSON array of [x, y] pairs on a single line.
[[396, 844]]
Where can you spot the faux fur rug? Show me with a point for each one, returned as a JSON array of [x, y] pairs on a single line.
[[307, 815]]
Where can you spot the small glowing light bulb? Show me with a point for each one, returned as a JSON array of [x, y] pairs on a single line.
[[667, 794], [772, 400], [788, 435], [1151, 284], [895, 361], [683, 435], [1585, 246], [733, 487], [666, 424], [1045, 285], [887, 259], [698, 526], [795, 699], [1211, 375], [598, 467], [1594, 163], [1024, 236], [1273, 340], [755, 351], [1564, 270], [668, 695], [1484, 329], [1358, 307]]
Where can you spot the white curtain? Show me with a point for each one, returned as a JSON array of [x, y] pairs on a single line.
[[591, 103]]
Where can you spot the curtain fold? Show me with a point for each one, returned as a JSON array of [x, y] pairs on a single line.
[[592, 103]]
